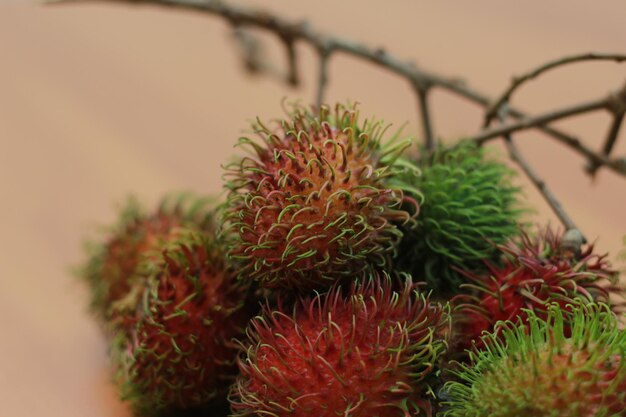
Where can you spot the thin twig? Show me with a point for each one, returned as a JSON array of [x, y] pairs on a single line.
[[540, 184], [550, 198], [518, 81], [300, 31], [324, 55], [421, 91], [256, 62], [295, 31], [614, 103], [251, 50], [540, 120], [253, 55], [613, 133], [293, 75], [611, 138]]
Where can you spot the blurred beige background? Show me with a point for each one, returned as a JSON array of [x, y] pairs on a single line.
[[101, 100]]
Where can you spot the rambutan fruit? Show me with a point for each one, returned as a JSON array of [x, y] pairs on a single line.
[[111, 265], [369, 354], [533, 272], [469, 203], [177, 352], [572, 363], [318, 200]]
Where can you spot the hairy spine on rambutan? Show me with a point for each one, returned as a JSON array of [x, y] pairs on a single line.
[[570, 363], [371, 353], [533, 272], [179, 351], [111, 266], [318, 200], [469, 204]]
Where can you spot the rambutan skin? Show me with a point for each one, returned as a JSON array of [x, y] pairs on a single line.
[[467, 204], [179, 351], [369, 354], [318, 200], [570, 364], [111, 265], [533, 272]]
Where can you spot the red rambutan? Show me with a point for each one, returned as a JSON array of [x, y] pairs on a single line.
[[317, 201], [112, 265], [175, 351], [534, 272], [369, 354]]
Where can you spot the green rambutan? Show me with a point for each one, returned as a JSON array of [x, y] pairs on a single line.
[[469, 203], [175, 350], [112, 265], [318, 200], [569, 364], [370, 354], [533, 273]]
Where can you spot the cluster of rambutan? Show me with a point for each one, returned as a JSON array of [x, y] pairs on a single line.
[[344, 277]]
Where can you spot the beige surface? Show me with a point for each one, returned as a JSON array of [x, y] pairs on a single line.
[[97, 101]]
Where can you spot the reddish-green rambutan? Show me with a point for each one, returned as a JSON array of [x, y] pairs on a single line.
[[571, 363], [318, 200], [178, 352], [369, 354], [534, 272], [112, 265]]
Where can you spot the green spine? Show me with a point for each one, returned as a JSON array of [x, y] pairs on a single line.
[[570, 364], [469, 204]]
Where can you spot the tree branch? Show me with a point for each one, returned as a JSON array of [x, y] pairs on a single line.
[[324, 55], [540, 184], [327, 45], [238, 15], [614, 103], [255, 61], [516, 156], [611, 138], [518, 81], [251, 51], [422, 95], [293, 75], [531, 122]]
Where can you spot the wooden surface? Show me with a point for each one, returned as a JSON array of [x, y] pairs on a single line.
[[99, 101]]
